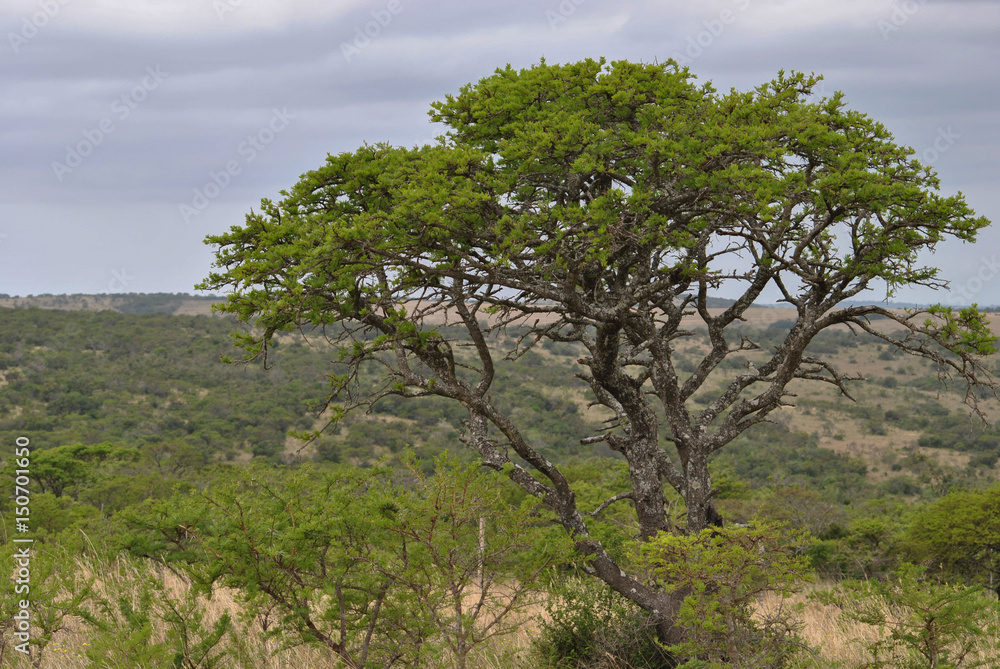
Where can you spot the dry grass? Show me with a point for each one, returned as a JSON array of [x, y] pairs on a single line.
[[69, 646], [842, 644], [821, 630], [836, 645]]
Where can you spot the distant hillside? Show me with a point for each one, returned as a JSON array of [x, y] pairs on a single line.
[[125, 303], [153, 381], [194, 305], [723, 302], [161, 303]]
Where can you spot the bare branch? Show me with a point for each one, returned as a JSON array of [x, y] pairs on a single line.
[[608, 502]]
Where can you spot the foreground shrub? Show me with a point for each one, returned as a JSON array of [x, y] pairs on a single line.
[[56, 591], [377, 573], [724, 575], [592, 627], [136, 620]]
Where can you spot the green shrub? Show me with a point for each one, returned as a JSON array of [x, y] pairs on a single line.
[[592, 627], [723, 574]]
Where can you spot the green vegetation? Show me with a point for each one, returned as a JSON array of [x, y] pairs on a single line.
[[375, 572], [960, 535], [921, 624], [153, 382], [160, 496], [589, 625], [723, 574]]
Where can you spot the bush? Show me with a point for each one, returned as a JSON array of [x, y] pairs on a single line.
[[888, 382], [901, 485], [592, 627], [723, 573], [353, 562], [876, 426]]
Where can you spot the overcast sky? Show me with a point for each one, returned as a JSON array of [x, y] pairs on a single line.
[[116, 114]]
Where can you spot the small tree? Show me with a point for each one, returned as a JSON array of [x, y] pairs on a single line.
[[310, 545], [467, 560], [72, 467], [602, 205], [377, 573], [136, 620], [920, 624], [734, 582], [59, 590]]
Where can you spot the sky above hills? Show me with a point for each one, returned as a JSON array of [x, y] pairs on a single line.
[[130, 129]]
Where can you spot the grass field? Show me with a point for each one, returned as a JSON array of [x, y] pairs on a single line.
[[833, 644]]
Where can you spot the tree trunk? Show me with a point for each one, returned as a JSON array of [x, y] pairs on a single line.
[[700, 513]]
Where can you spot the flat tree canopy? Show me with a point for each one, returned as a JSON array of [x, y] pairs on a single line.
[[603, 204]]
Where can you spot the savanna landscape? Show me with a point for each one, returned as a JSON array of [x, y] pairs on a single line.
[[519, 398], [140, 421]]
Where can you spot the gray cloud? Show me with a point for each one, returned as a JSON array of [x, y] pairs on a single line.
[[227, 75]]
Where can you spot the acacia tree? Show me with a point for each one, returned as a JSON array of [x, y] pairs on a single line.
[[603, 204]]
